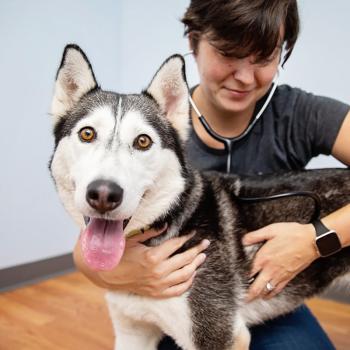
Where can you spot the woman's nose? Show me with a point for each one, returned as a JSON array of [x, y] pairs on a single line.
[[244, 71]]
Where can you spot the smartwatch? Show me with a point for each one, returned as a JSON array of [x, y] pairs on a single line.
[[327, 241]]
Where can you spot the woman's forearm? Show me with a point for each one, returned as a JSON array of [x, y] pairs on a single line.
[[339, 221]]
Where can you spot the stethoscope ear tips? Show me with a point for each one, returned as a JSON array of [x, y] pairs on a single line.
[[188, 53]]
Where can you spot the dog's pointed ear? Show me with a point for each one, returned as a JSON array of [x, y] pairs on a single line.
[[169, 88], [74, 78]]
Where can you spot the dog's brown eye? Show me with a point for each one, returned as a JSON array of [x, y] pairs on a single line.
[[143, 142], [87, 134]]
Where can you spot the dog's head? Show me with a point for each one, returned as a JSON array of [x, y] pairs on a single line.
[[118, 158]]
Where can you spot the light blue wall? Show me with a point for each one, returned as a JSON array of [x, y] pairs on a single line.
[[150, 32], [126, 41], [32, 35]]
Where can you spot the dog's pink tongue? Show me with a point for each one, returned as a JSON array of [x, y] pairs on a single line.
[[103, 244]]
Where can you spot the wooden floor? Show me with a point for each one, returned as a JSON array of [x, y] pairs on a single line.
[[69, 313]]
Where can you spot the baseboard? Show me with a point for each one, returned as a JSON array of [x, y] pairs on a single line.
[[21, 275], [339, 291]]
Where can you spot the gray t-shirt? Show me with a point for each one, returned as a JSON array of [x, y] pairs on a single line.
[[295, 127]]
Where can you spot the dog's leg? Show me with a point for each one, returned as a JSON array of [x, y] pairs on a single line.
[[142, 321], [242, 335], [132, 332], [131, 335]]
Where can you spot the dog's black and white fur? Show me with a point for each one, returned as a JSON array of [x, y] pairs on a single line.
[[159, 186]]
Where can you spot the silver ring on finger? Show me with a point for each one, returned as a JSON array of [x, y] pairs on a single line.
[[269, 287]]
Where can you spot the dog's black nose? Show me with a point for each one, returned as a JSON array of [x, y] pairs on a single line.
[[104, 195]]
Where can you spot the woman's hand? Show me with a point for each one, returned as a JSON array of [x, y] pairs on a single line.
[[289, 249], [148, 270]]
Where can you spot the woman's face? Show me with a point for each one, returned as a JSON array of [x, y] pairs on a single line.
[[233, 84]]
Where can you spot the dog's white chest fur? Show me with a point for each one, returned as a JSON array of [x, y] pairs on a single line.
[[136, 317]]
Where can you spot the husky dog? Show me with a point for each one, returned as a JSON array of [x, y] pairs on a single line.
[[119, 161]]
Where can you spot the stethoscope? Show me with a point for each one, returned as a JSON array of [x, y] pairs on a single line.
[[229, 141]]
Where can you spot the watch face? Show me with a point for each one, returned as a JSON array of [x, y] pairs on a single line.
[[328, 243]]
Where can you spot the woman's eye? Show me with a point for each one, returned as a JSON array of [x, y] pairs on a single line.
[[224, 53], [143, 142], [268, 60], [87, 134], [263, 63]]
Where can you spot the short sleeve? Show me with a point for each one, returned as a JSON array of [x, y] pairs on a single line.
[[316, 122]]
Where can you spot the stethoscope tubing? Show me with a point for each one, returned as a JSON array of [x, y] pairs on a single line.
[[229, 141]]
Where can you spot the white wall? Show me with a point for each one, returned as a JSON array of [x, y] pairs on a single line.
[[126, 41]]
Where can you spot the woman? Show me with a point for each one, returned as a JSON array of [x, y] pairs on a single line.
[[237, 46]]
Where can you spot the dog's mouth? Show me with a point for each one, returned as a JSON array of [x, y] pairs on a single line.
[[103, 243]]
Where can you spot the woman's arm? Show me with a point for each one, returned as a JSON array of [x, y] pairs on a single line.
[[341, 147], [340, 219], [290, 247]]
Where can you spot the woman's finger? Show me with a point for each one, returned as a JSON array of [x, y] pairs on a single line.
[[258, 236], [278, 289], [178, 261], [167, 248], [178, 289], [257, 265], [185, 273], [259, 286]]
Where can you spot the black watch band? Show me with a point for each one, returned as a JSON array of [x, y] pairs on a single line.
[[327, 241], [320, 228]]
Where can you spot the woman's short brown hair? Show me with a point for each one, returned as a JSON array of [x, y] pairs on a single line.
[[243, 27]]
